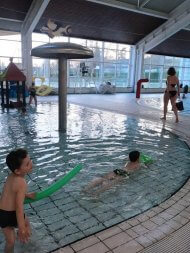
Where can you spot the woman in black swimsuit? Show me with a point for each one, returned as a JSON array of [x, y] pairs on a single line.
[[171, 93]]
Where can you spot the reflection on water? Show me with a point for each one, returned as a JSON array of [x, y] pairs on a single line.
[[158, 103], [100, 141]]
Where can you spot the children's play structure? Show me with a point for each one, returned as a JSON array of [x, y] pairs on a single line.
[[12, 83]]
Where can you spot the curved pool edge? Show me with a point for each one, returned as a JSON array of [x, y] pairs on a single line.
[[142, 230], [134, 231]]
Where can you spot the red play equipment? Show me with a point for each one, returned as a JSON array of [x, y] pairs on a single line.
[[12, 74], [138, 91]]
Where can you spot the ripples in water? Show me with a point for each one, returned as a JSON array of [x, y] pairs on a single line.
[[100, 141]]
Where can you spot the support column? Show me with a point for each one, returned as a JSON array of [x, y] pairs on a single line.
[[26, 57], [62, 94], [23, 94], [2, 94], [102, 65], [139, 65], [132, 68], [47, 70], [18, 91], [7, 94]]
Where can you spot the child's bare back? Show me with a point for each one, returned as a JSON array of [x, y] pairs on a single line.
[[12, 186]]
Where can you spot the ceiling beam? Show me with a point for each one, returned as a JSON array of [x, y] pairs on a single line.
[[11, 19], [144, 3], [180, 19], [33, 16], [145, 11], [131, 7], [187, 28], [183, 6], [10, 25]]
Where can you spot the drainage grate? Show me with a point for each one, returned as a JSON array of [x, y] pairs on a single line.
[[178, 242]]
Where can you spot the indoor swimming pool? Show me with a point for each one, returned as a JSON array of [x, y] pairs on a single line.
[[100, 141]]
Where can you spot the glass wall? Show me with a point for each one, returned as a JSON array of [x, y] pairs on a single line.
[[10, 46], [111, 62], [156, 67]]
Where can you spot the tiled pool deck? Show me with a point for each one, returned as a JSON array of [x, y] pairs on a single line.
[[154, 230]]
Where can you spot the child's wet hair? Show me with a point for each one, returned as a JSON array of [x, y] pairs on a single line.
[[134, 156], [14, 158]]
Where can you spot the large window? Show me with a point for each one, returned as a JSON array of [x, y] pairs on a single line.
[[10, 46], [156, 67], [111, 62]]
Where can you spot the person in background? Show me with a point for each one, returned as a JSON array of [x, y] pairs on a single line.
[[185, 91], [171, 93], [32, 91]]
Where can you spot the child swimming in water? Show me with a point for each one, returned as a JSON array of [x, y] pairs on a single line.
[[106, 181]]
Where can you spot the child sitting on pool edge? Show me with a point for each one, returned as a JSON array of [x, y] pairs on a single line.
[[106, 181], [12, 199]]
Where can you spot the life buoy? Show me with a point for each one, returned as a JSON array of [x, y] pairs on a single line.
[[43, 90], [56, 186]]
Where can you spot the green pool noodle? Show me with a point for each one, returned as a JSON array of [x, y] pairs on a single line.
[[146, 159], [56, 186]]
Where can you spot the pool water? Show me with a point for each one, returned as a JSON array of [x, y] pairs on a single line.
[[158, 103], [100, 141]]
